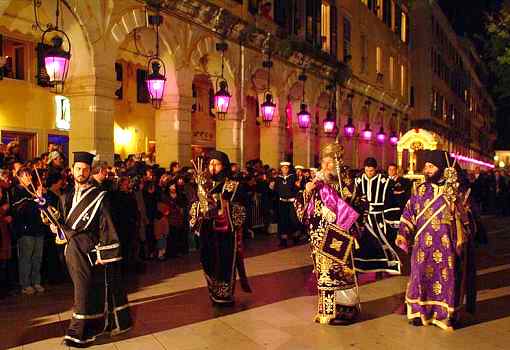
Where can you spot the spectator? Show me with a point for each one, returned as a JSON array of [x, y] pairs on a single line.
[[31, 231]]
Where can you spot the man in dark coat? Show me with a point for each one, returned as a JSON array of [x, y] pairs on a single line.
[[92, 254]]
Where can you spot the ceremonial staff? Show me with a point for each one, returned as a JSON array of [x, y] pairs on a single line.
[[49, 214], [339, 152]]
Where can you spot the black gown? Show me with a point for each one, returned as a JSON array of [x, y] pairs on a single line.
[[100, 303], [220, 226]]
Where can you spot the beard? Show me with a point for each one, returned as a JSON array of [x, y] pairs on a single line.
[[435, 178], [81, 180], [217, 177]]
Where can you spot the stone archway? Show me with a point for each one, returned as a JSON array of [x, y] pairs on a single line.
[[412, 141]]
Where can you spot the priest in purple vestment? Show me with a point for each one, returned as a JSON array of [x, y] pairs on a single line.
[[435, 224], [328, 219]]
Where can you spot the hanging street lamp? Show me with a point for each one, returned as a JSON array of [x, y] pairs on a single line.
[[393, 138], [366, 133], [222, 96], [381, 135], [329, 123], [56, 56], [393, 134], [156, 80], [304, 118], [268, 107], [349, 128]]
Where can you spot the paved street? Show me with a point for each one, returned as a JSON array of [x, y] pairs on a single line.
[[172, 310]]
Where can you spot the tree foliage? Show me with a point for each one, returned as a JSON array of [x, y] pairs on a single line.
[[497, 53]]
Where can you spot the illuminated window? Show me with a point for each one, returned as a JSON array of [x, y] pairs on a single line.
[[378, 59], [393, 15], [63, 112], [392, 73], [347, 40], [402, 80], [14, 52], [325, 26], [403, 27], [380, 5]]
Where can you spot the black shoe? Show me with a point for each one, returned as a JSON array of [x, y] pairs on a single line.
[[73, 344], [416, 322]]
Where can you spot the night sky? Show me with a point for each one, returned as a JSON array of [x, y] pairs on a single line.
[[467, 19]]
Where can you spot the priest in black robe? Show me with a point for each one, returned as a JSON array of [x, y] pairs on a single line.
[[92, 255], [218, 216]]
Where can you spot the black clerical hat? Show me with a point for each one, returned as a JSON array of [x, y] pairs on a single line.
[[83, 157]]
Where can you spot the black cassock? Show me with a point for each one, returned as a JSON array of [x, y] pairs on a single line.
[[219, 220], [377, 252], [100, 303]]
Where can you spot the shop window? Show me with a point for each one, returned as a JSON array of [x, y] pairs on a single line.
[[16, 63], [142, 93], [378, 59], [119, 77], [27, 143], [347, 40], [326, 26]]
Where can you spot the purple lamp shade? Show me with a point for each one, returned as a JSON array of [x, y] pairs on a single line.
[[349, 128], [56, 67], [367, 132], [381, 135], [329, 123], [329, 126], [393, 138], [222, 98], [268, 109], [156, 84], [304, 119]]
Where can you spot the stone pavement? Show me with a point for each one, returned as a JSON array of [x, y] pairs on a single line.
[[172, 311]]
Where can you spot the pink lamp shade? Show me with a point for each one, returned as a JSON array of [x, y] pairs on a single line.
[[393, 138], [156, 85], [304, 119], [329, 126], [349, 128], [56, 67], [329, 123], [268, 109], [222, 98], [381, 135], [367, 132]]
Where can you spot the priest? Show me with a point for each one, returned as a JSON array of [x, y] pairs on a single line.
[[435, 224], [92, 255]]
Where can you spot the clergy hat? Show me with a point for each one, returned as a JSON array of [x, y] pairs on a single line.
[[83, 157], [222, 157], [284, 164], [440, 159], [314, 169], [370, 162], [299, 167]]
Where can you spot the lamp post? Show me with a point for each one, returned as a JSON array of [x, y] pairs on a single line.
[[304, 119], [56, 56], [268, 107], [156, 81], [329, 123], [366, 133], [381, 135], [222, 96]]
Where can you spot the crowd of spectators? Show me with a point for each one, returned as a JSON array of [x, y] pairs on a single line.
[[150, 206]]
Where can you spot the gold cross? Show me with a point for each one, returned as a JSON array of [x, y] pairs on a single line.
[[336, 245]]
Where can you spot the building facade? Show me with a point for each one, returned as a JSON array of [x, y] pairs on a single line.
[[449, 98], [361, 47]]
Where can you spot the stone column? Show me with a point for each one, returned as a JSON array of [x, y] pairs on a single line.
[[92, 109], [173, 130], [272, 139], [228, 134], [303, 142]]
